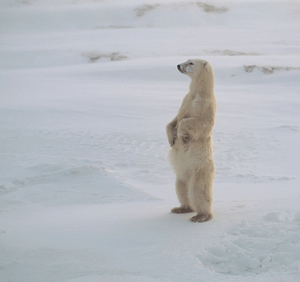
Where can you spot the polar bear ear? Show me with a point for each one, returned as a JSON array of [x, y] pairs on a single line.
[[207, 66]]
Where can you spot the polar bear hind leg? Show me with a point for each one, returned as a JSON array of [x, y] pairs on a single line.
[[182, 194], [200, 195]]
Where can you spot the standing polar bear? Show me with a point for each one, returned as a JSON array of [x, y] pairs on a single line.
[[190, 138]]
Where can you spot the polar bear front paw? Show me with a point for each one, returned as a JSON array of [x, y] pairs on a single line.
[[186, 138], [201, 217], [183, 132]]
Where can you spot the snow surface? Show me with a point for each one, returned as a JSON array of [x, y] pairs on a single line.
[[87, 88]]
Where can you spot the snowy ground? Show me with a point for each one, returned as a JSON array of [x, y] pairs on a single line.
[[87, 88]]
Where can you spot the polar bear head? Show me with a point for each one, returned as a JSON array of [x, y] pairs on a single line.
[[195, 68]]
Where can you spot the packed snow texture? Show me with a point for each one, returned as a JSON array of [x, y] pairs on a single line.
[[87, 88]]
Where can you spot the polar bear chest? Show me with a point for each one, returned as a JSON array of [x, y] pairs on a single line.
[[190, 107]]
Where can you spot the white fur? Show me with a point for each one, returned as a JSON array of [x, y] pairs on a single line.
[[190, 138]]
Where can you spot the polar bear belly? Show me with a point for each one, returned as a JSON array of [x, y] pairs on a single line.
[[186, 158]]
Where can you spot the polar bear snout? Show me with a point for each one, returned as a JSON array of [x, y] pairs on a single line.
[[187, 67], [179, 68], [182, 68]]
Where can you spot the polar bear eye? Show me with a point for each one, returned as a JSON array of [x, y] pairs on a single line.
[[191, 63]]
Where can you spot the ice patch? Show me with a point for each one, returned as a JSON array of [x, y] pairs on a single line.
[[268, 69], [142, 10], [95, 56], [211, 8], [231, 53], [206, 8]]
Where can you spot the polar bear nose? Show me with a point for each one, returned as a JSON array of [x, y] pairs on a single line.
[[178, 66]]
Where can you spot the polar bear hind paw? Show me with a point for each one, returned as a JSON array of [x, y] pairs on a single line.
[[181, 210], [201, 217]]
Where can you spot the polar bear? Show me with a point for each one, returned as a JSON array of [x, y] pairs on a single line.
[[190, 138]]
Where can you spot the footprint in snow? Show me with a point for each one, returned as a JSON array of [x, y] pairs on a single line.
[[269, 245]]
